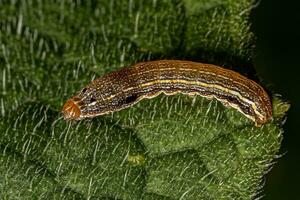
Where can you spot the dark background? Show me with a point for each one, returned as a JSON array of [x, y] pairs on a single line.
[[276, 25]]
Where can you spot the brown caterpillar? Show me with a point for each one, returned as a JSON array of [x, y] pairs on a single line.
[[127, 86]]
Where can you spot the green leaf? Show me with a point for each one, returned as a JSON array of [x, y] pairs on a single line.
[[169, 147]]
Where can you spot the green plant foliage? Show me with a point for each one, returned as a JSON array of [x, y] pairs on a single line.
[[169, 147]]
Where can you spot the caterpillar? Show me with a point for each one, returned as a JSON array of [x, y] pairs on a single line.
[[127, 86]]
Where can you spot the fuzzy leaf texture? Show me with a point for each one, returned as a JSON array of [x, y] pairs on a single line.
[[174, 147]]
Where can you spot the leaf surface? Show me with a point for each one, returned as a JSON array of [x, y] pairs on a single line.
[[169, 147]]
